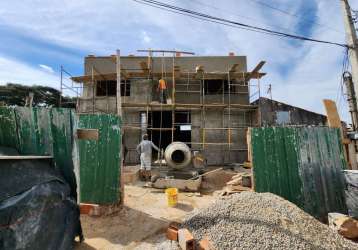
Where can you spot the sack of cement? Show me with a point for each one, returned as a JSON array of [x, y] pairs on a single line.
[[351, 193]]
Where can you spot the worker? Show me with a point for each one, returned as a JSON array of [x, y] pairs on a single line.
[[144, 148], [162, 88]]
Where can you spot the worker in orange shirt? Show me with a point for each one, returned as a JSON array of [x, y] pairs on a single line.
[[162, 87]]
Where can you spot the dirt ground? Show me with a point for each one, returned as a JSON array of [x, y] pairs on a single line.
[[141, 223]]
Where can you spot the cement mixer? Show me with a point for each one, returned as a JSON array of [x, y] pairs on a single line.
[[177, 155]]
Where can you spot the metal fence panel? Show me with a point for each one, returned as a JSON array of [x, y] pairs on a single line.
[[8, 134], [99, 160], [40, 131], [302, 164]]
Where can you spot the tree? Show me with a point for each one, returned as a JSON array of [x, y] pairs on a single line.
[[13, 94]]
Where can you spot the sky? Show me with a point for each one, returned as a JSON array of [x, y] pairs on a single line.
[[37, 37]]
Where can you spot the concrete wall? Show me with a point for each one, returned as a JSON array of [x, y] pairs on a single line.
[[144, 91], [107, 64], [273, 113]]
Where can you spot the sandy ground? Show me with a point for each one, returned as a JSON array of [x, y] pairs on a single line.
[[141, 223]]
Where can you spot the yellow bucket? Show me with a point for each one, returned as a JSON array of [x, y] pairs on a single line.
[[172, 196]]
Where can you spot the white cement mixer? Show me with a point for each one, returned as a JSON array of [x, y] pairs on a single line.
[[177, 155]]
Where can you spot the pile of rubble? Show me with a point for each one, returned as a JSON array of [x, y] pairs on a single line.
[[252, 220]]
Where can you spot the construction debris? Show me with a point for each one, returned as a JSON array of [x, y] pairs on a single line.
[[344, 225], [351, 192], [238, 183], [261, 221]]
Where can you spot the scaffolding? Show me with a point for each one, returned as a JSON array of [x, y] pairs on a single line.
[[238, 83], [69, 87]]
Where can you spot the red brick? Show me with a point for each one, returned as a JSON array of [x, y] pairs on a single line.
[[86, 208], [172, 234], [205, 244], [185, 239]]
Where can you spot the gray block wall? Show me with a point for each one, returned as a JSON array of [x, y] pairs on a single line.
[[144, 91]]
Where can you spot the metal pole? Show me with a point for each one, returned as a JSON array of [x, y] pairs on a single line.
[[118, 95], [61, 77], [351, 37], [351, 98], [119, 113], [93, 90]]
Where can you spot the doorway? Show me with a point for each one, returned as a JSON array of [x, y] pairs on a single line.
[[163, 119]]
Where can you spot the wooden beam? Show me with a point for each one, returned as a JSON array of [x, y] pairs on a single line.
[[234, 67], [255, 72], [258, 67], [191, 75], [332, 114]]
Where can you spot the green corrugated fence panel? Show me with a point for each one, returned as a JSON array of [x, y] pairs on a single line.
[[34, 131], [99, 160], [8, 134], [62, 135], [40, 131], [302, 164]]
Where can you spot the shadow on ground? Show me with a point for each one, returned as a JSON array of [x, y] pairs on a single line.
[[120, 229]]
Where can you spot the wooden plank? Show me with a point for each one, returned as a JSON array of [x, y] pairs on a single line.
[[87, 134], [258, 67], [185, 75], [334, 121], [332, 114], [24, 157]]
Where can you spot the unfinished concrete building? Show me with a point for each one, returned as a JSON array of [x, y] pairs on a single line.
[[208, 104]]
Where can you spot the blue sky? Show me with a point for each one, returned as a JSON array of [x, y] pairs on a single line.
[[39, 36]]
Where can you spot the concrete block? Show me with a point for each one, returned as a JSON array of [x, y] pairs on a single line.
[[130, 174], [183, 185], [185, 239]]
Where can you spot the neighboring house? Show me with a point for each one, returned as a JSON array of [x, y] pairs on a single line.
[[274, 113], [208, 103]]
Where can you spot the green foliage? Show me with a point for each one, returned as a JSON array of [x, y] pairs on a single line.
[[13, 94]]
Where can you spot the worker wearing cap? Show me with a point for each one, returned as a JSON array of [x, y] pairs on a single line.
[[144, 148], [162, 88]]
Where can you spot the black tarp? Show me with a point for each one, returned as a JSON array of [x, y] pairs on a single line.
[[37, 210]]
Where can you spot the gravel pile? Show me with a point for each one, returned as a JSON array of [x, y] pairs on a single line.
[[262, 221]]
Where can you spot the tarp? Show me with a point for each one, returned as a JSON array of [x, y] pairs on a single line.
[[36, 207], [41, 131], [351, 177]]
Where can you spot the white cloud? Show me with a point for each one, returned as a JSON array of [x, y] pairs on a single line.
[[103, 26], [47, 68], [146, 38], [17, 72]]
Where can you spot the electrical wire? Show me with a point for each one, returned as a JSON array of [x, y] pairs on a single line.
[[206, 17], [235, 14], [294, 15], [340, 93]]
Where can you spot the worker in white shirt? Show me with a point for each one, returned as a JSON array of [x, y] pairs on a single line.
[[144, 148]]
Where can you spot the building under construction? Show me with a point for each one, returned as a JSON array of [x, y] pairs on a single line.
[[208, 100]]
